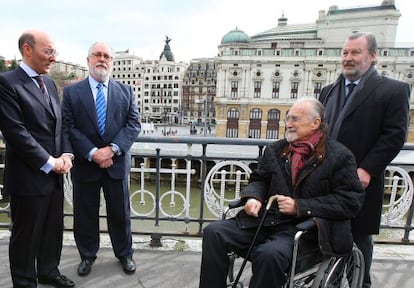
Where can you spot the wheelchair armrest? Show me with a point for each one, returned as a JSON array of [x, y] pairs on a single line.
[[306, 225], [236, 203], [232, 204]]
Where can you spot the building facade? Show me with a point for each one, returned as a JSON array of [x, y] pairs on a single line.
[[199, 92], [260, 77], [157, 84]]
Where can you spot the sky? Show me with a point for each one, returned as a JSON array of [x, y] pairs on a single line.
[[195, 26]]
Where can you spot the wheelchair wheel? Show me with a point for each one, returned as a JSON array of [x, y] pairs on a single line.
[[342, 272], [354, 271]]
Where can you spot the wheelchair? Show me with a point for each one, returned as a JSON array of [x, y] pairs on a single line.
[[309, 269]]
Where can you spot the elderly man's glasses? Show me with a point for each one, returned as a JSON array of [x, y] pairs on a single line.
[[292, 118], [99, 55]]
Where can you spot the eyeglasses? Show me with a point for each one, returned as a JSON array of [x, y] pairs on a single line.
[[292, 118], [99, 55], [50, 52]]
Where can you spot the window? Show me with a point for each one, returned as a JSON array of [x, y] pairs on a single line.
[[232, 130], [273, 118], [317, 89], [254, 133], [234, 89], [294, 90], [274, 114], [256, 113], [257, 89], [233, 113], [275, 89]]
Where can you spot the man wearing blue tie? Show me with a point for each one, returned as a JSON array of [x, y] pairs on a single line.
[[101, 121]]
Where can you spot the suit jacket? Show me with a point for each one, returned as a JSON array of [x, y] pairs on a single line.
[[81, 127], [374, 128], [32, 130]]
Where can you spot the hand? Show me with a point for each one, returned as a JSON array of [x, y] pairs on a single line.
[[106, 164], [286, 205], [63, 164], [252, 207], [67, 164], [57, 168], [364, 177], [102, 155]]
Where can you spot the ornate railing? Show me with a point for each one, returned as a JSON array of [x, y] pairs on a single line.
[[178, 184]]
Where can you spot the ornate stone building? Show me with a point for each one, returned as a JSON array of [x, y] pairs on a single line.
[[199, 91], [259, 77], [157, 84]]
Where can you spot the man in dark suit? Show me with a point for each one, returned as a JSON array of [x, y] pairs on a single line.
[[30, 119], [101, 138], [371, 119]]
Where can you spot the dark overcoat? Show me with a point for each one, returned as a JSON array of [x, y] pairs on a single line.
[[374, 128]]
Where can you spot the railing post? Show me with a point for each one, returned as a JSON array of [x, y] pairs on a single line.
[[408, 227], [157, 186]]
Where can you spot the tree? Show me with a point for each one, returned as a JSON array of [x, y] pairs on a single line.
[[2, 65], [13, 65]]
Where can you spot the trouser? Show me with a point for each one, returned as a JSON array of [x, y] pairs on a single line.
[[366, 245], [36, 238], [271, 257], [86, 203]]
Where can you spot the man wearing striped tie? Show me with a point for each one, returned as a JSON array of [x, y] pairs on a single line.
[[101, 121]]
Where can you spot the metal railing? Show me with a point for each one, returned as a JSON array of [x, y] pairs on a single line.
[[178, 184]]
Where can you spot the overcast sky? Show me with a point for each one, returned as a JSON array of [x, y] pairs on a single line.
[[195, 26]]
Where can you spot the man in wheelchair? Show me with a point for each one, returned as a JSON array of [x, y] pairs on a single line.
[[314, 177]]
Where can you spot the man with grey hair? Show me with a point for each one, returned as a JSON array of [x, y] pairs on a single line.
[[101, 121], [368, 113], [313, 177]]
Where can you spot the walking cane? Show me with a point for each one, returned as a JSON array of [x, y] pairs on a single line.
[[269, 204]]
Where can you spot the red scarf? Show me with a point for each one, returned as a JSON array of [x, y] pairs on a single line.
[[300, 151]]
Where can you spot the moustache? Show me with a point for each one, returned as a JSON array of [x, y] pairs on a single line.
[[101, 65]]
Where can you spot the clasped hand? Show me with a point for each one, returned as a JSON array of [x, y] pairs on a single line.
[[103, 157], [63, 164]]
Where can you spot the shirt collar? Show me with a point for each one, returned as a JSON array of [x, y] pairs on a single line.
[[29, 71], [93, 83], [355, 82]]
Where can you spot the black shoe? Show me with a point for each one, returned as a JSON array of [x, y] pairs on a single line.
[[85, 267], [128, 264], [58, 281]]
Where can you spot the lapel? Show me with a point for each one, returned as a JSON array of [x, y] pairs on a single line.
[[363, 94], [32, 89], [85, 98]]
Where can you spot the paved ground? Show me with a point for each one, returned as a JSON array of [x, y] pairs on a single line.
[[176, 265]]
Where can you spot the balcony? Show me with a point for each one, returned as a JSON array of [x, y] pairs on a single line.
[[180, 184]]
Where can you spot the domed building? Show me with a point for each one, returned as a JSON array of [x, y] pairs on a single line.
[[235, 36], [234, 39], [261, 76]]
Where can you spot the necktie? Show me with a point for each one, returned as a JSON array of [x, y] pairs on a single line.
[[100, 104], [39, 80], [351, 87]]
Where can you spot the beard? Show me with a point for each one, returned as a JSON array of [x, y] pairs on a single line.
[[100, 72], [291, 136]]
